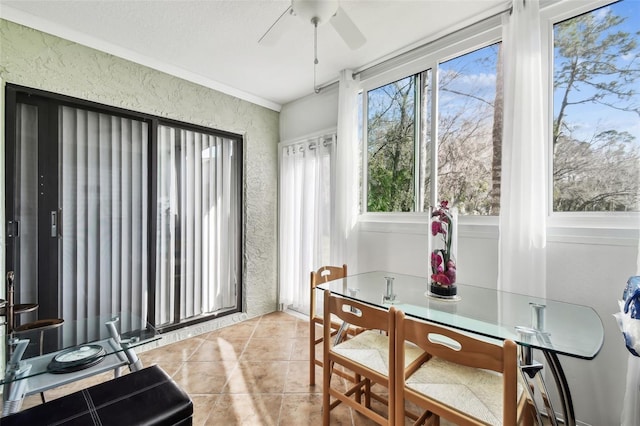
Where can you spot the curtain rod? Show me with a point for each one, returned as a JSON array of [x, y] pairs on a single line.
[[422, 46]]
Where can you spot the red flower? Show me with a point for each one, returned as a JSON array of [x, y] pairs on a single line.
[[451, 273], [437, 228], [441, 278]]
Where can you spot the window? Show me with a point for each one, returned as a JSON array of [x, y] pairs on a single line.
[[120, 212], [470, 132], [391, 138], [596, 108], [404, 144], [199, 221]]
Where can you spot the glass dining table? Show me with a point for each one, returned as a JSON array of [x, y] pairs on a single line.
[[552, 327]]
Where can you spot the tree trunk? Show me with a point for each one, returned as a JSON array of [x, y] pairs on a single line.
[[496, 162]]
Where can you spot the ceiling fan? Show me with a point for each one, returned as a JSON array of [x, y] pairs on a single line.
[[317, 12]]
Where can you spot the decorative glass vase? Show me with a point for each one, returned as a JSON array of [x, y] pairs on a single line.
[[443, 246]]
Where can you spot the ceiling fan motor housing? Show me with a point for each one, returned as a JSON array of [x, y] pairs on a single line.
[[319, 11]]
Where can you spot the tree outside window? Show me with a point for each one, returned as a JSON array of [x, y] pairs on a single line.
[[470, 131], [390, 147], [400, 143], [596, 127]]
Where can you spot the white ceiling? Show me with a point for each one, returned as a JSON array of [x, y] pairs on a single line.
[[215, 42]]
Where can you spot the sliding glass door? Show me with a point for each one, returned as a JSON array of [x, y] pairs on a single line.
[[112, 212], [79, 209]]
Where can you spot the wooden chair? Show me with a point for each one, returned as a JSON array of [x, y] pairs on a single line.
[[467, 381], [370, 355], [321, 276]]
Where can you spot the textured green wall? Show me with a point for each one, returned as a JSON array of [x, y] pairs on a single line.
[[35, 59]]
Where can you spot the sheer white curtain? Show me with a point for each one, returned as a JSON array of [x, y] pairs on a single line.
[[198, 223], [307, 215], [523, 205], [347, 168], [103, 182]]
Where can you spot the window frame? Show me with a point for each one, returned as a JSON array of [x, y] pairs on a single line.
[[429, 57], [582, 224], [582, 227]]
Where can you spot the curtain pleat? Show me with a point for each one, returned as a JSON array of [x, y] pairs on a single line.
[[306, 215], [346, 170], [523, 202]]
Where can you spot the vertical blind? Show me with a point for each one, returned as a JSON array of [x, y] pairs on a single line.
[[27, 207], [103, 191], [101, 243], [198, 224]]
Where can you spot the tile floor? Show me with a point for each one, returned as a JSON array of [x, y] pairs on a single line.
[[252, 373]]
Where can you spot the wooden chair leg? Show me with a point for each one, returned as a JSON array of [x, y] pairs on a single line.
[[312, 353], [326, 399]]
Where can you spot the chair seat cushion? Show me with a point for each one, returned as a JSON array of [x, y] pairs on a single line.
[[473, 391], [371, 349]]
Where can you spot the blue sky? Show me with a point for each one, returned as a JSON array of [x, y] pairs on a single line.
[[479, 80], [590, 118]]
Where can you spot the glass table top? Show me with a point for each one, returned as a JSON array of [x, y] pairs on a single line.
[[560, 327], [45, 341]]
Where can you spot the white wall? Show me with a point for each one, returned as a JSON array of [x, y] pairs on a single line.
[[584, 266], [309, 115]]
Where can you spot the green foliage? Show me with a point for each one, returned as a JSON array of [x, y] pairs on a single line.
[[391, 147]]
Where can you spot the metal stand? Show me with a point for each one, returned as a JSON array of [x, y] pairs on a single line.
[[563, 388], [134, 362], [532, 370], [15, 388]]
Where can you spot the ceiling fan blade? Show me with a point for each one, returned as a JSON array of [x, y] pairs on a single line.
[[347, 29], [275, 31]]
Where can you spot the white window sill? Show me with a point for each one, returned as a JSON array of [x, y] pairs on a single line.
[[418, 223], [620, 229], [596, 228]]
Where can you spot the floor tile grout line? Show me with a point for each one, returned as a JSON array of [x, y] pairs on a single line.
[[213, 399], [228, 376]]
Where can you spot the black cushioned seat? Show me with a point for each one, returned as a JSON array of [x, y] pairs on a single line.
[[145, 397]]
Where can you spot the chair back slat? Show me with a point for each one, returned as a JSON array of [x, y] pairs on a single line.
[[326, 274], [356, 313], [467, 350]]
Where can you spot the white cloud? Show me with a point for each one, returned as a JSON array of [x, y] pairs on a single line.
[[479, 80]]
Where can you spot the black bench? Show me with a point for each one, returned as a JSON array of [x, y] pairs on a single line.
[[145, 397]]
